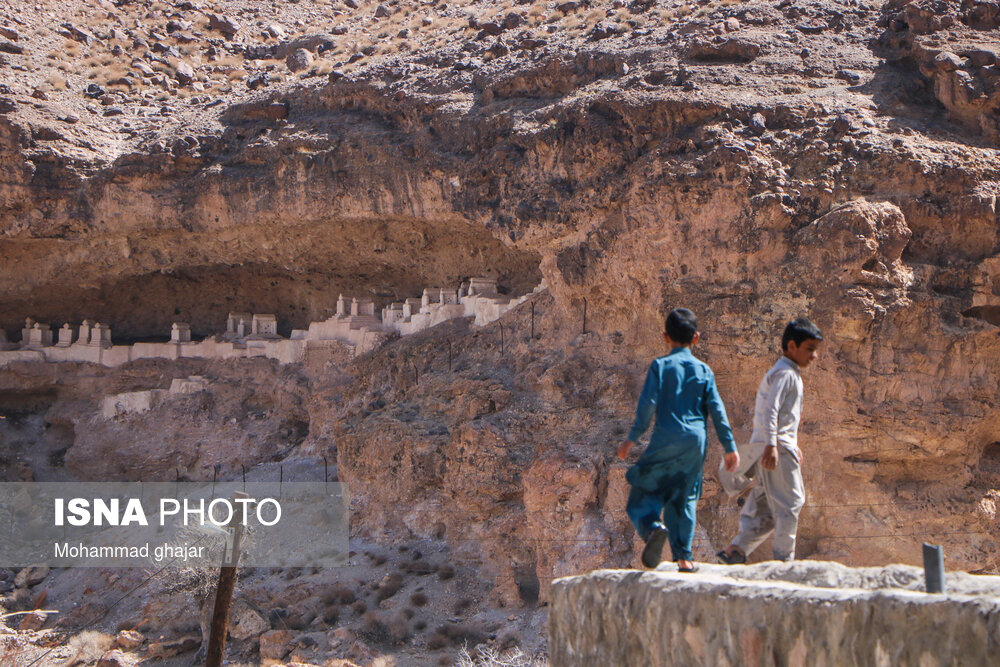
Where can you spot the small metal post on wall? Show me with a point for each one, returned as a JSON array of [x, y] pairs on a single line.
[[584, 314], [501, 339], [224, 591], [934, 568]]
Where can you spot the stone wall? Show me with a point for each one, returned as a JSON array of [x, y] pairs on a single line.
[[802, 613]]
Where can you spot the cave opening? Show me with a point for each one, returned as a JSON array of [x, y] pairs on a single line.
[[528, 586], [989, 465]]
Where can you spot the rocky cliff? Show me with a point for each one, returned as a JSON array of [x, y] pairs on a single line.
[[751, 161]]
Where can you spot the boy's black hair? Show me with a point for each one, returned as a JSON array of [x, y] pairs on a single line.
[[681, 325], [800, 329]]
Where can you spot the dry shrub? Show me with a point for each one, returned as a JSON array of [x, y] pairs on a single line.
[[418, 599], [339, 594], [398, 627], [456, 634], [374, 628], [359, 607], [389, 586], [445, 572], [420, 567], [508, 640]]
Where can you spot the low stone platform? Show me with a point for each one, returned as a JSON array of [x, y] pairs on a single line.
[[801, 613]]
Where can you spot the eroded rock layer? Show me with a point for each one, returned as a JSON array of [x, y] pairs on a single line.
[[752, 161]]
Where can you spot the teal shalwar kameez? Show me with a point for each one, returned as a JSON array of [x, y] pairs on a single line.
[[666, 480]]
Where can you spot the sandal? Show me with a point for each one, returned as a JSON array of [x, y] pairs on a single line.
[[693, 568], [734, 558]]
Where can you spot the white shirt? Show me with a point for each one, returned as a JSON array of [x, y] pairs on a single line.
[[778, 407]]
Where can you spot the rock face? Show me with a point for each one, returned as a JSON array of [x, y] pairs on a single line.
[[809, 613], [954, 45], [723, 160]]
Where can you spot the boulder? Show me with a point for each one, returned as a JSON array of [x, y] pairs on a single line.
[[247, 624], [32, 621], [79, 34], [733, 49], [162, 650], [605, 29], [114, 658], [314, 43], [184, 74], [275, 644], [299, 60], [129, 640], [512, 20], [227, 25], [30, 576]]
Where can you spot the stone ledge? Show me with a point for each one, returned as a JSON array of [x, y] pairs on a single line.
[[802, 613]]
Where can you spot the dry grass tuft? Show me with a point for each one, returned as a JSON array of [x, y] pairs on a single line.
[[487, 656], [57, 83], [88, 647]]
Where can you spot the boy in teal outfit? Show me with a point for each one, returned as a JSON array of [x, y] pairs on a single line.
[[666, 480]]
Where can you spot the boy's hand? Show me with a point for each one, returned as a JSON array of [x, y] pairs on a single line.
[[769, 461], [732, 461], [624, 448]]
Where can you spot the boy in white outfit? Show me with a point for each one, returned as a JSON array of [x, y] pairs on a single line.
[[773, 455]]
